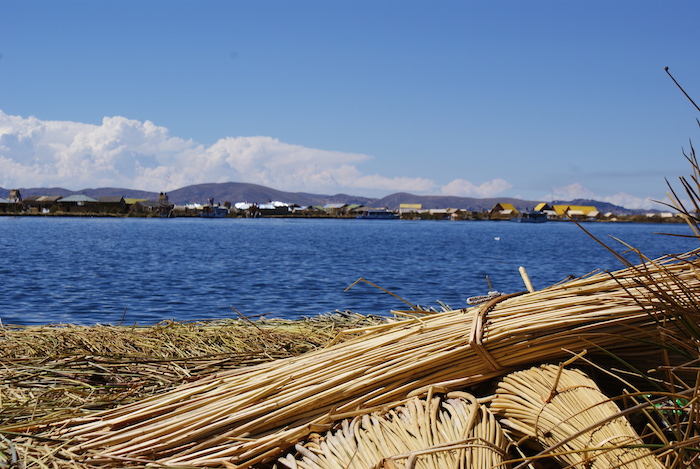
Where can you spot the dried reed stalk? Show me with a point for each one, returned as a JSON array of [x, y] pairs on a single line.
[[564, 409], [432, 433], [253, 415]]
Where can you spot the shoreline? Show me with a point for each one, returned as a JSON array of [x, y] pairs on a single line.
[[619, 219]]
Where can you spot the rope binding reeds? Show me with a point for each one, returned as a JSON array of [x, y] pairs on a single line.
[[476, 334]]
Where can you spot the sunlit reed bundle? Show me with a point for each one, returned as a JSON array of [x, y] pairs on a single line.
[[564, 409], [435, 433], [253, 415]]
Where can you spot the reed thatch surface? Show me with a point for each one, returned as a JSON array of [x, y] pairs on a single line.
[[57, 372], [266, 339]]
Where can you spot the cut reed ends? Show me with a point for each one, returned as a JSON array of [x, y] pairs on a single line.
[[564, 411], [450, 432]]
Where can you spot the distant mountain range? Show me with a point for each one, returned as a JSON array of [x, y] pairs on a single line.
[[243, 192]]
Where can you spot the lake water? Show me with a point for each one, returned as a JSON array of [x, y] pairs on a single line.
[[133, 270]]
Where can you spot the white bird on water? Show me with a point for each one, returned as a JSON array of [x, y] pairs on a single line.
[[497, 238]]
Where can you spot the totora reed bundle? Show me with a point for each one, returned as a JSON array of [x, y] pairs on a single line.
[[243, 417], [564, 409]]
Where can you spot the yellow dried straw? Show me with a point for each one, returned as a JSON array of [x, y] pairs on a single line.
[[436, 433], [253, 415], [261, 340], [53, 373], [564, 408]]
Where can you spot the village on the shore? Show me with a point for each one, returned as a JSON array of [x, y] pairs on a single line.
[[115, 206]]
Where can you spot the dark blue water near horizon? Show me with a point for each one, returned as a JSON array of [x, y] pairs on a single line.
[[134, 270]]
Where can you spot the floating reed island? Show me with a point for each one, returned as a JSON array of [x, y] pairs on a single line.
[[599, 371]]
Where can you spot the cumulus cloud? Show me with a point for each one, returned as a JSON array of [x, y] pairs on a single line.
[[128, 153], [629, 201], [121, 152], [572, 191], [118, 152], [462, 188]]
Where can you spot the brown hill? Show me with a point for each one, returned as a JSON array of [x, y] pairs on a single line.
[[244, 192], [199, 193]]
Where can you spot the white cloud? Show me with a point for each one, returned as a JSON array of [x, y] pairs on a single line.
[[127, 153], [462, 188], [632, 202], [267, 161], [141, 155], [572, 191], [119, 152]]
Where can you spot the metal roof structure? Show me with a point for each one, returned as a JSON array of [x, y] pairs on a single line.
[[77, 198]]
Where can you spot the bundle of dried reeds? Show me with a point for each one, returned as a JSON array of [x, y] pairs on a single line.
[[252, 415], [421, 433], [563, 409]]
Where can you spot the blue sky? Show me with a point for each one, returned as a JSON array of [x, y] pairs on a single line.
[[539, 100]]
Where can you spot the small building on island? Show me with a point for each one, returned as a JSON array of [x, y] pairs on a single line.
[[41, 203], [547, 209], [161, 207], [503, 211], [410, 210], [78, 203], [115, 205], [576, 212], [13, 204]]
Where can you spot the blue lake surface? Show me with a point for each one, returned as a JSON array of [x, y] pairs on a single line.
[[134, 270]]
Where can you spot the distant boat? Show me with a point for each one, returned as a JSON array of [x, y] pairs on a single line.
[[531, 216], [213, 211], [378, 215]]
